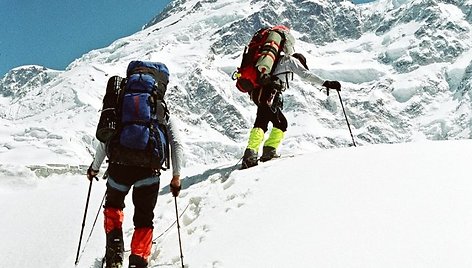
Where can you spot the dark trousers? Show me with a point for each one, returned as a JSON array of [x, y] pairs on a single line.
[[145, 183], [266, 114]]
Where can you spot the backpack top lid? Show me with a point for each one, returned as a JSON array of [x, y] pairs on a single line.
[[146, 75], [161, 67], [281, 28]]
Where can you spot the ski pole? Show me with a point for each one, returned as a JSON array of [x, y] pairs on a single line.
[[345, 116], [83, 222], [178, 231], [93, 226]]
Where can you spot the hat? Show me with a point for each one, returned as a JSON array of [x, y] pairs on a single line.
[[301, 58]]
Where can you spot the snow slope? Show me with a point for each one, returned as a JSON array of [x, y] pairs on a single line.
[[402, 205]]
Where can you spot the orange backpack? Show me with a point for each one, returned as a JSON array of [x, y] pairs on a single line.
[[260, 57]]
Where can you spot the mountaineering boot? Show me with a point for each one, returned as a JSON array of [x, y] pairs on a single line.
[[268, 153], [114, 249], [136, 261], [249, 159], [141, 244], [270, 145], [250, 154]]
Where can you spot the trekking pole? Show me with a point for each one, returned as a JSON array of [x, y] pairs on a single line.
[[345, 116], [83, 222], [93, 227], [178, 231]]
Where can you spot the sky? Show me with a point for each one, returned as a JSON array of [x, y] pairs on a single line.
[[386, 205], [55, 33]]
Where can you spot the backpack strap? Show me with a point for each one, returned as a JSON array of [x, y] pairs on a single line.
[[286, 77], [276, 78], [166, 164]]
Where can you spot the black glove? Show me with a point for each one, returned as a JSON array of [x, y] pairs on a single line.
[[92, 173], [332, 85]]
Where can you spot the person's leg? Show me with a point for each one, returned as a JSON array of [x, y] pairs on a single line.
[[263, 117], [250, 156], [113, 221], [145, 194], [256, 136], [276, 136]]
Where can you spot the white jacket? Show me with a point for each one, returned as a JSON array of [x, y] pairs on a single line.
[[289, 65]]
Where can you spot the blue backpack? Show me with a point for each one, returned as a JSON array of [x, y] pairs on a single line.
[[140, 138]]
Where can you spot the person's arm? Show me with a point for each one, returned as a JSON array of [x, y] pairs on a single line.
[[100, 154], [176, 147], [177, 155], [296, 67]]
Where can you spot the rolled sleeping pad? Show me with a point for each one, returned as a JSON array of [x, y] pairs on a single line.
[[269, 52], [108, 118]]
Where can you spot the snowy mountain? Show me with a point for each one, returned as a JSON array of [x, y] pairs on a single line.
[[19, 81], [406, 72], [404, 65]]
